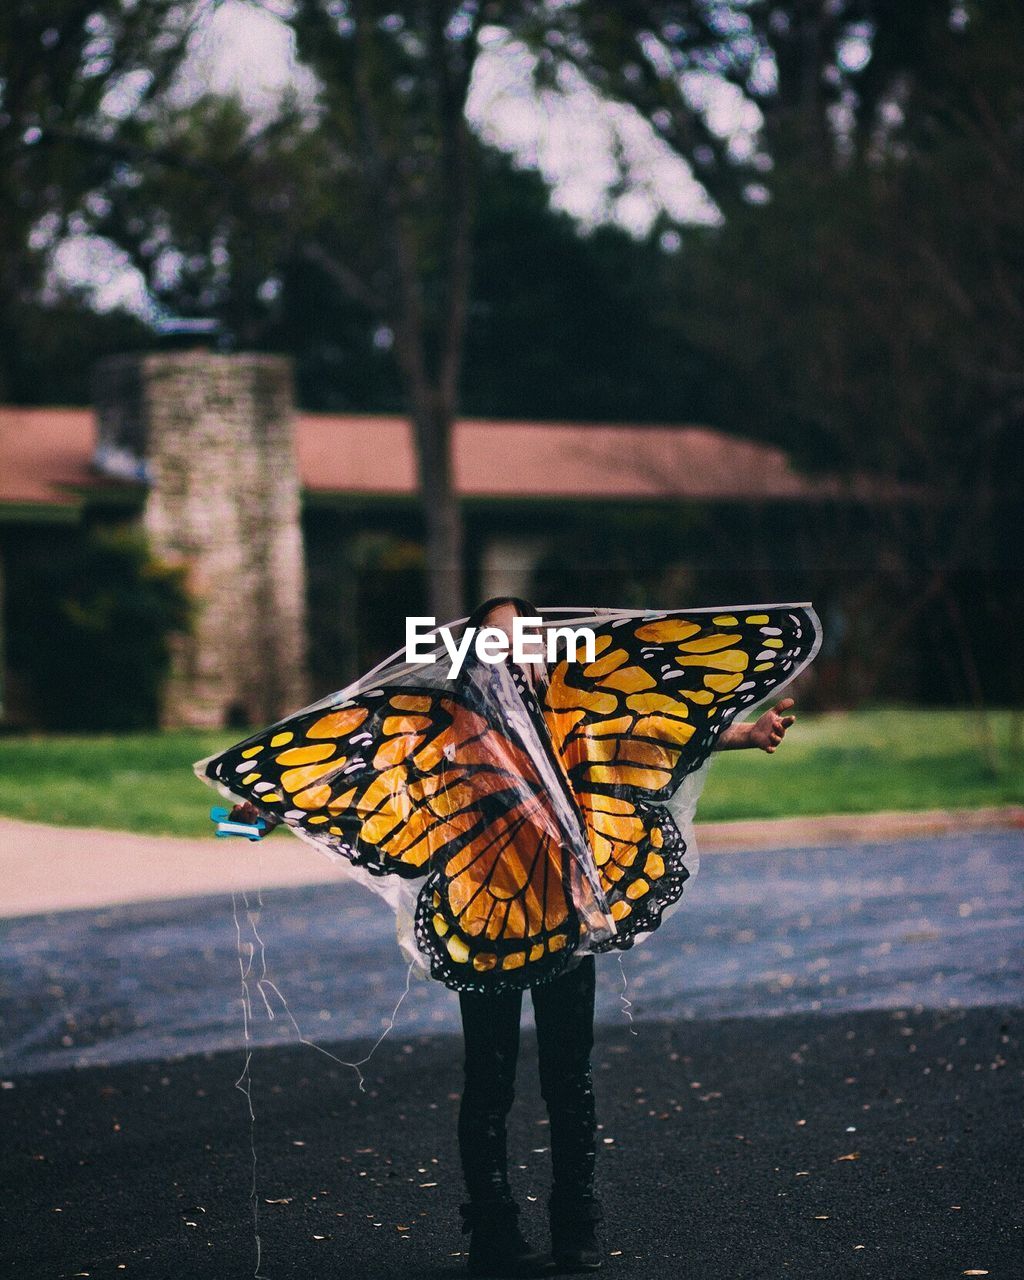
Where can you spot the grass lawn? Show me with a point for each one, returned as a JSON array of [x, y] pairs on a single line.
[[838, 763], [865, 761]]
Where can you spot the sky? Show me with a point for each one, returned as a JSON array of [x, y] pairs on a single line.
[[571, 137]]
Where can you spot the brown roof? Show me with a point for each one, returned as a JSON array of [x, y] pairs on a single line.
[[498, 458], [46, 455]]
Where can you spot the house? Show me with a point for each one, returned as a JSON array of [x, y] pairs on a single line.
[[300, 531]]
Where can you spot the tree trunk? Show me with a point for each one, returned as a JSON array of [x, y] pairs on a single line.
[[428, 338], [433, 423]]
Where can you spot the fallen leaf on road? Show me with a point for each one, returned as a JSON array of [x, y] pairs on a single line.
[[853, 1155]]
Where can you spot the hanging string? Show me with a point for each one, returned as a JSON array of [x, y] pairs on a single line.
[[627, 1004], [244, 1081], [248, 950]]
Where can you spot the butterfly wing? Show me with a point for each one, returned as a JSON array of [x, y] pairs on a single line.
[[422, 780], [632, 725], [417, 783]]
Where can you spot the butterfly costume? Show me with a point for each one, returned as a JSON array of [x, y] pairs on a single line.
[[513, 829]]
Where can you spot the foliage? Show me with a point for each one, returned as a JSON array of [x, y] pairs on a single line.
[[387, 208], [212, 232], [568, 326], [91, 632], [859, 302], [71, 75], [58, 346], [871, 330]]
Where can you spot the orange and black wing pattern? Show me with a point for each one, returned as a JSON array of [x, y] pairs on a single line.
[[629, 727], [419, 784]]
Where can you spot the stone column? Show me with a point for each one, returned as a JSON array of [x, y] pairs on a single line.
[[213, 436]]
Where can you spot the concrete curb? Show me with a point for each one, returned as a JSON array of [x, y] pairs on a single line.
[[851, 828], [46, 869]]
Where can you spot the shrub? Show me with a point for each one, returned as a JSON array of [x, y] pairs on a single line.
[[93, 641]]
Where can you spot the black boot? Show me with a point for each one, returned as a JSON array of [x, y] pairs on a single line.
[[497, 1247], [576, 1232]]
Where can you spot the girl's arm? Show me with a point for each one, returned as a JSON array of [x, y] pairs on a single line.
[[766, 732]]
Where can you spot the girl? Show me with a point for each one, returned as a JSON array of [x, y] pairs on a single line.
[[564, 1015]]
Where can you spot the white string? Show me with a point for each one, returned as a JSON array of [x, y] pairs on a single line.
[[327, 1054], [247, 952], [627, 1005], [244, 1082]]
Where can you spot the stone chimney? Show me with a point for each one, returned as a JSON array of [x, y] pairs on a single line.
[[212, 435]]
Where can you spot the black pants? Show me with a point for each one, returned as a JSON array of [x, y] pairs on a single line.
[[564, 1013]]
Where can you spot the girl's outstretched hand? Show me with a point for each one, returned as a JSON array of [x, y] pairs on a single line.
[[768, 730], [247, 812]]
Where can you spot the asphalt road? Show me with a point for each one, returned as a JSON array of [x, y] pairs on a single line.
[[870, 1145], [826, 1080], [937, 922]]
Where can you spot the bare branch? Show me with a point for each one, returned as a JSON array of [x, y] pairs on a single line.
[[349, 281]]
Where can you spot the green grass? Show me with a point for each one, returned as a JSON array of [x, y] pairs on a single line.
[[865, 761], [839, 763], [141, 781]]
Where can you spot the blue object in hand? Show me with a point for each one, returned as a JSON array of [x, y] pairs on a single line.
[[225, 827]]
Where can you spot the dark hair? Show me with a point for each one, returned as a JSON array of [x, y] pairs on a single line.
[[524, 608]]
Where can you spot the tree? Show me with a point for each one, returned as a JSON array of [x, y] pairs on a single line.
[[872, 329], [395, 231], [399, 162], [71, 73], [376, 191], [388, 213], [570, 326]]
